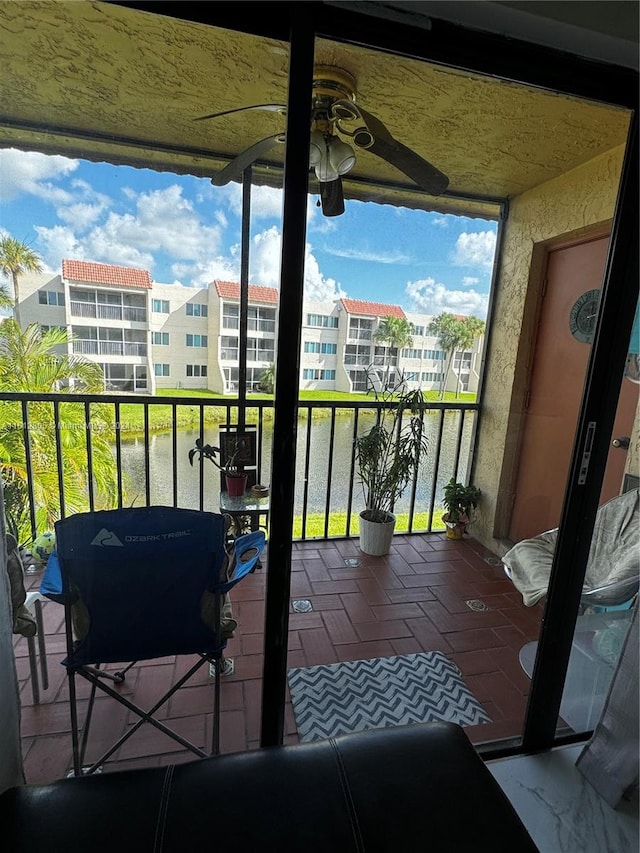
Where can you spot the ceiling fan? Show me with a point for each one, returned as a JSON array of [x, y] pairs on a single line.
[[334, 114]]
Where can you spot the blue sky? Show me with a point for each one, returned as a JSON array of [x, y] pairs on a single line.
[[183, 229]]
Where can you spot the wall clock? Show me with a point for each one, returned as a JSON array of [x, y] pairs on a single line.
[[582, 317]]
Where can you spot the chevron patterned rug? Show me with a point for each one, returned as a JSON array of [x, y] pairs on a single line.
[[337, 698]]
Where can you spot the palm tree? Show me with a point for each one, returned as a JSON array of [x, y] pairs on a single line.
[[454, 334], [472, 328], [29, 362], [449, 332], [16, 259], [396, 332]]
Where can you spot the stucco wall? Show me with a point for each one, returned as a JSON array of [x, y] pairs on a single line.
[[578, 199]]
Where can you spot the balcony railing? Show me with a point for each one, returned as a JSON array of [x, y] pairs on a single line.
[[108, 312], [153, 468], [89, 347]]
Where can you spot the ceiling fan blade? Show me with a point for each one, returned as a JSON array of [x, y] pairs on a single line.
[[332, 197], [237, 166], [425, 175], [271, 108], [376, 127]]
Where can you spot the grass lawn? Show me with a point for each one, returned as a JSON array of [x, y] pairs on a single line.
[[338, 520], [188, 416]]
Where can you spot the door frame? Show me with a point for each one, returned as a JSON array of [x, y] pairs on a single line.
[[524, 367]]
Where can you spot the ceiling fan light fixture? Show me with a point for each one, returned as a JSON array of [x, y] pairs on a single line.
[[317, 148], [325, 171], [341, 156]]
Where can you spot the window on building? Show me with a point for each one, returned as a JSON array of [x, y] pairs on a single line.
[[315, 373], [411, 353], [311, 346], [430, 376], [261, 319], [196, 370], [50, 297], [360, 328], [322, 320], [260, 349], [160, 338], [197, 309], [317, 347], [463, 358], [52, 328], [162, 370], [358, 380], [197, 340], [385, 356], [412, 376], [417, 330], [230, 316], [160, 306], [434, 354], [357, 354], [328, 349], [229, 348]]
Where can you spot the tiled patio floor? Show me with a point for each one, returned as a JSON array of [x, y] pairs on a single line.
[[413, 600]]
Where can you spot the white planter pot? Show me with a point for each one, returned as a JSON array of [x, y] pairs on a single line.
[[376, 536]]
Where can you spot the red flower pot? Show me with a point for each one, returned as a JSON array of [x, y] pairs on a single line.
[[236, 484]]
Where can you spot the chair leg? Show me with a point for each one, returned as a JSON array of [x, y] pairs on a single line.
[[215, 742], [77, 771], [44, 670], [33, 668]]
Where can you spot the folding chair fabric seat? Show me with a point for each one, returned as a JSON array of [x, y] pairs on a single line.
[[145, 583]]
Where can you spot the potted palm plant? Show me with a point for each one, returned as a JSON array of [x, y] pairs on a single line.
[[235, 478], [460, 503], [387, 457]]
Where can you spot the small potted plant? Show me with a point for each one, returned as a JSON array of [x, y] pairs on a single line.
[[387, 456], [460, 503], [235, 478]]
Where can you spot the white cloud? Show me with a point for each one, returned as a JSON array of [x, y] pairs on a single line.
[[80, 215], [440, 221], [164, 222], [25, 173], [62, 242], [265, 267], [475, 249], [367, 255], [265, 258], [469, 281], [266, 202], [431, 297], [316, 286]]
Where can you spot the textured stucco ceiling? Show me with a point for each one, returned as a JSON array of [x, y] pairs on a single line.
[[106, 82]]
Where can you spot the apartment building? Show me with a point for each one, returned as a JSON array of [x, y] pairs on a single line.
[[147, 335]]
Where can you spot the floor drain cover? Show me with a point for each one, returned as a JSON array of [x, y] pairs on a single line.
[[228, 667], [303, 605], [476, 604], [84, 771], [352, 562]]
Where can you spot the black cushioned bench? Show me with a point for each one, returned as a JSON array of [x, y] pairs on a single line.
[[400, 790]]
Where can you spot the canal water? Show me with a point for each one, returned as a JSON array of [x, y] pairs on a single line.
[[321, 491]]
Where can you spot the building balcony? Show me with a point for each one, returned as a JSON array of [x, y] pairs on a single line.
[[428, 594], [89, 310], [109, 348]]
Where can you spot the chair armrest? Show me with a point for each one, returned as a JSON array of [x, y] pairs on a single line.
[[51, 583], [246, 553]]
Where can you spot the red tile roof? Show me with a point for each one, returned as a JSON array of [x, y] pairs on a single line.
[[374, 309], [231, 290], [105, 274]]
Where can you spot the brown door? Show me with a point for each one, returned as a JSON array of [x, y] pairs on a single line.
[[556, 387]]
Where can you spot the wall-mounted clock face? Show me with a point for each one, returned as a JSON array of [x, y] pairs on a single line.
[[582, 318]]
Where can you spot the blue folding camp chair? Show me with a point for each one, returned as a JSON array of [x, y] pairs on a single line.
[[139, 584]]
